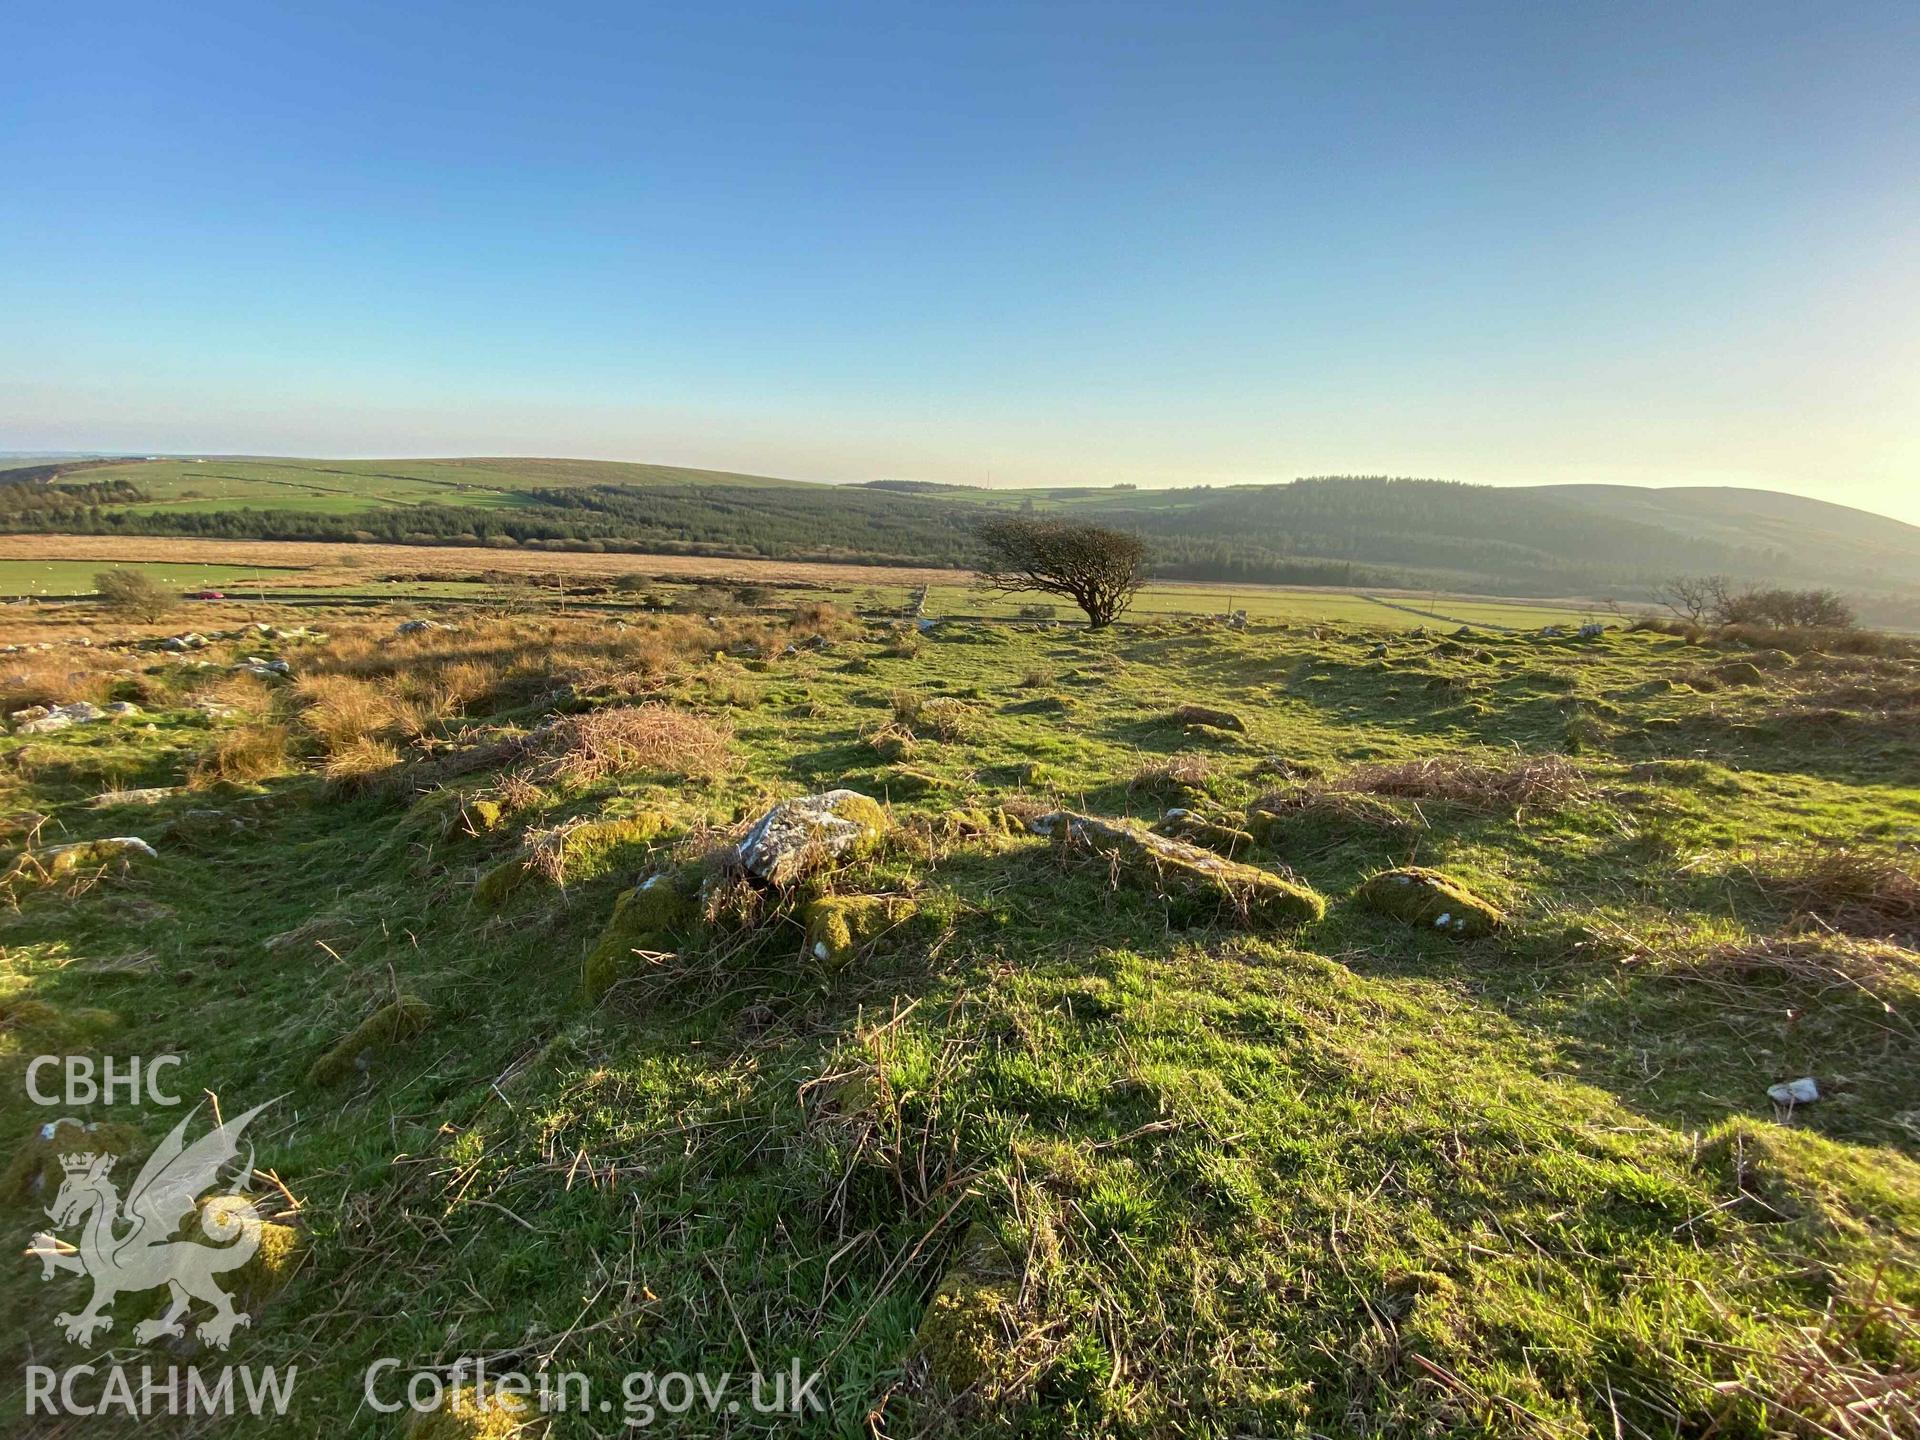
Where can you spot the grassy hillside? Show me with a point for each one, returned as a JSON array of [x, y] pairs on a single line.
[[230, 482], [1000, 1133], [1360, 531]]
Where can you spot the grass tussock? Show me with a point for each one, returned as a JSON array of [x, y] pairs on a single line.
[[1179, 777], [247, 754], [1854, 888], [1813, 961], [630, 739], [1527, 782]]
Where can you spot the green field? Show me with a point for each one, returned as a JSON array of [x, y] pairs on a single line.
[[1000, 1133], [75, 577]]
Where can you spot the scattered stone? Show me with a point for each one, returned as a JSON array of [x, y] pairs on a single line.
[[419, 627], [1739, 673], [1431, 899], [33, 1172], [1196, 829], [108, 799], [1178, 871], [264, 669], [467, 1412], [1341, 811], [32, 712], [34, 867], [188, 641], [647, 917], [905, 781], [392, 1024], [963, 1336], [1804, 1091], [121, 710], [798, 836], [61, 717], [838, 925], [576, 845], [1209, 718]]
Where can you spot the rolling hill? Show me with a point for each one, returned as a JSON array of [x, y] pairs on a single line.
[[1365, 531]]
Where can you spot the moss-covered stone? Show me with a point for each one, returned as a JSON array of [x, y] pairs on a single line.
[[467, 1414], [221, 1218], [963, 1335], [1432, 900], [1196, 829], [838, 925], [1207, 718], [583, 849], [33, 1170], [1337, 812], [1184, 873], [905, 781], [651, 916], [977, 820], [448, 814], [392, 1024], [114, 851]]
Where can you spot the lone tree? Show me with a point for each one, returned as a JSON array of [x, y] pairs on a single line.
[[130, 593], [1099, 570]]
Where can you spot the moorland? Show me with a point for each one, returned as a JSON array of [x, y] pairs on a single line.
[[1316, 1027]]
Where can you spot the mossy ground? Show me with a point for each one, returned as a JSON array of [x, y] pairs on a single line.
[[1354, 1178]]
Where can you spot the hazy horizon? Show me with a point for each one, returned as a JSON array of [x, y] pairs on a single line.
[[1010, 245]]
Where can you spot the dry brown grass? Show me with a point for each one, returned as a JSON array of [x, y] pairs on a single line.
[[52, 677], [622, 739], [1311, 803], [1176, 778], [343, 711], [1529, 780], [361, 762], [1851, 887], [245, 755]]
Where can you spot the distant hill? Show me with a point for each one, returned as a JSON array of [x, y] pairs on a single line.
[[1594, 540]]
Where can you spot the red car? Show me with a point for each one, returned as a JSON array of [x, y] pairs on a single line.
[[207, 595]]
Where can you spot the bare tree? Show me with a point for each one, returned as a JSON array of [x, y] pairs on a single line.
[[1099, 570], [1697, 599]]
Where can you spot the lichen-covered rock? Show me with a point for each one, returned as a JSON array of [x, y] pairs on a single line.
[[392, 1024], [963, 1336], [838, 925], [1196, 829], [1179, 871], [1209, 718], [797, 837], [648, 917], [1429, 899]]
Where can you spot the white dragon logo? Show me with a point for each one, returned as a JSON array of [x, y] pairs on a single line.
[[135, 1248]]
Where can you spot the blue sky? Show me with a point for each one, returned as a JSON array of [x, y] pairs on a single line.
[[1167, 244]]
